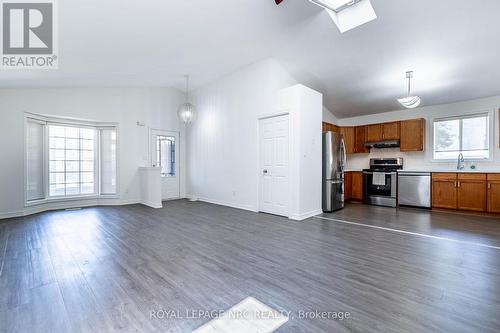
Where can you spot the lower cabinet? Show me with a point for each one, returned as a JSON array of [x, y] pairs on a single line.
[[444, 190], [493, 193], [472, 192], [462, 191], [357, 186], [353, 186], [347, 186]]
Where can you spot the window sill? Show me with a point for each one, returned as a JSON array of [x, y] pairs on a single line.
[[475, 160], [70, 199]]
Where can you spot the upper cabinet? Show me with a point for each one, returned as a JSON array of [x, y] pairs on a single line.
[[385, 131], [374, 132], [349, 139], [360, 137], [391, 131], [327, 127], [413, 135]]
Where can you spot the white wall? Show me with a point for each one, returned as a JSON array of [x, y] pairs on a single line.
[[329, 117], [304, 106], [422, 160], [223, 145], [155, 107]]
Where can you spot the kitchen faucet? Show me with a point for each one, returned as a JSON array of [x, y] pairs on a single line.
[[460, 163]]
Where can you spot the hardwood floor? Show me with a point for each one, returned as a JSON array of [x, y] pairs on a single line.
[[106, 269]]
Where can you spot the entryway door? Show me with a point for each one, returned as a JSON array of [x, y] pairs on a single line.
[[165, 155], [274, 165]]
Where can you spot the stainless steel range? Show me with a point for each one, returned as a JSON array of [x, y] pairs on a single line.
[[380, 181]]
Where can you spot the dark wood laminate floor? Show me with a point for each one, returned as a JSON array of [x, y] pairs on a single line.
[[105, 269]]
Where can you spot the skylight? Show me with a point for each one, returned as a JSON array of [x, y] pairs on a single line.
[[348, 14], [335, 5]]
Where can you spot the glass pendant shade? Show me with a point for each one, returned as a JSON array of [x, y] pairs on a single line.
[[409, 102], [186, 112]]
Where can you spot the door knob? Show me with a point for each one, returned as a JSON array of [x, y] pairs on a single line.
[[264, 171]]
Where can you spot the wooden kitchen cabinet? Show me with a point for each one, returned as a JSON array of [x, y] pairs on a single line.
[[391, 131], [349, 138], [412, 135], [347, 186], [374, 132], [472, 192], [360, 137], [444, 190], [327, 127], [357, 186], [385, 131], [493, 193]]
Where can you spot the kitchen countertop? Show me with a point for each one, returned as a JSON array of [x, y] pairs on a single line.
[[440, 170], [450, 171]]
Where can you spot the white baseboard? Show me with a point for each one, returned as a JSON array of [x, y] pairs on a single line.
[[296, 217], [152, 204], [223, 203], [48, 206], [303, 216]]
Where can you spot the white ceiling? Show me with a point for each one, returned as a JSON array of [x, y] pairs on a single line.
[[453, 47]]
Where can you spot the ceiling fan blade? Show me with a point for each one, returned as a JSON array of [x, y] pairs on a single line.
[[278, 1]]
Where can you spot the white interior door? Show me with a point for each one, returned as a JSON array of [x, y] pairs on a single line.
[[165, 155], [274, 160]]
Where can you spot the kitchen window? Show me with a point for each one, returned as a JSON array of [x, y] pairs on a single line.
[[468, 135], [69, 159]]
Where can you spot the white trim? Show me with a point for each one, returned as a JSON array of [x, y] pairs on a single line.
[[223, 203], [69, 120], [304, 216], [98, 126], [177, 135], [290, 155], [67, 205], [151, 204], [409, 232], [273, 114]]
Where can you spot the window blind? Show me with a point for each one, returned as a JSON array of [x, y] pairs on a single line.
[[108, 160], [35, 135]]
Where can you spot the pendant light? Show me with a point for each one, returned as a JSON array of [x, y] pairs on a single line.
[[409, 102], [187, 110]]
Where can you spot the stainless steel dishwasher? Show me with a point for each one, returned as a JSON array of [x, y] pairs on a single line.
[[414, 189]]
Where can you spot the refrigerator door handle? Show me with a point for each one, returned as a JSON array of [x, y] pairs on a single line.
[[344, 154]]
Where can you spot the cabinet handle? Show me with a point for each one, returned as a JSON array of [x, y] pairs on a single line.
[[489, 185], [458, 184], [455, 184]]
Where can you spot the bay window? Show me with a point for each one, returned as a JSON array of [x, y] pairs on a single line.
[[69, 159]]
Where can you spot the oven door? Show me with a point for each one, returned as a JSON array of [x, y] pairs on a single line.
[[375, 188]]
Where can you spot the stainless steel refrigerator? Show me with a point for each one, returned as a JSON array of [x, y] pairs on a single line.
[[334, 157]]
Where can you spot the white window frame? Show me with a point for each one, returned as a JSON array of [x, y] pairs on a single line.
[[491, 135], [97, 154], [48, 120]]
